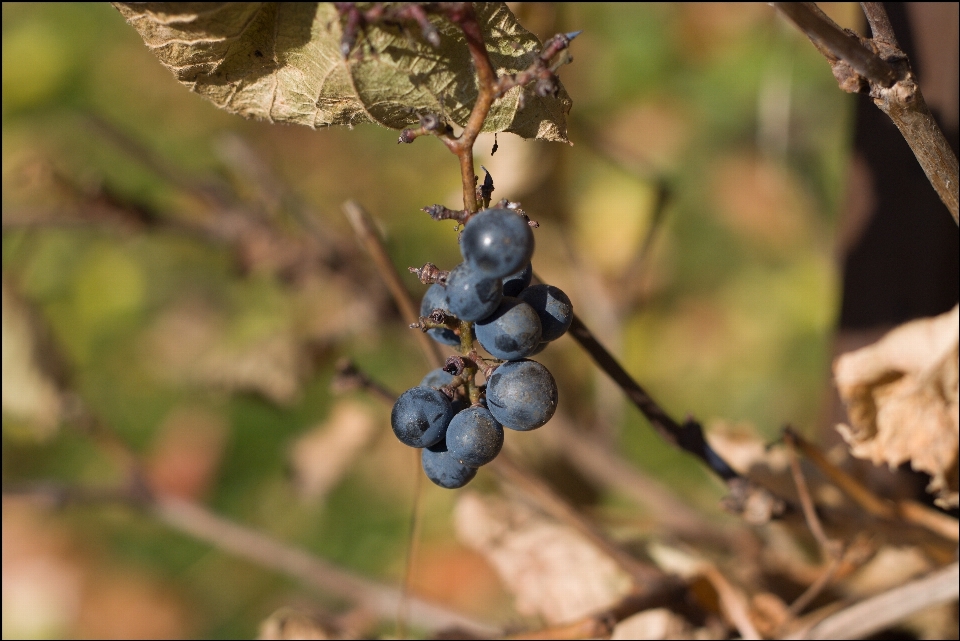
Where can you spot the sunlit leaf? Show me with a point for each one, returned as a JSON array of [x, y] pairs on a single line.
[[282, 62]]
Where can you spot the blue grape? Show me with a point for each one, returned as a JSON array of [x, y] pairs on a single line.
[[512, 332], [471, 294], [437, 378], [518, 281], [497, 242], [443, 469], [474, 437], [522, 395], [552, 306], [436, 298], [420, 416]]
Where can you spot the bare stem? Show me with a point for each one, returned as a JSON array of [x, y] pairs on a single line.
[[883, 71], [833, 42], [907, 510], [876, 613], [367, 232], [687, 436], [879, 23]]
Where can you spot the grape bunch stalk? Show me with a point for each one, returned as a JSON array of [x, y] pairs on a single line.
[[486, 299]]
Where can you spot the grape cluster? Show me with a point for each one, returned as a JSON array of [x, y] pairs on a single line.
[[488, 297]]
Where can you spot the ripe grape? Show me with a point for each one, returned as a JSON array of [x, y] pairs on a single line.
[[436, 298], [518, 281], [522, 395], [436, 378], [552, 306], [420, 416], [511, 332], [443, 469], [497, 242], [471, 294], [474, 437]]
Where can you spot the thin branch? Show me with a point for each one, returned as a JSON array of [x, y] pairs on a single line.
[[732, 602], [828, 548], [907, 510], [814, 589], [879, 22], [605, 467], [348, 376], [366, 230], [831, 41], [887, 77], [884, 610], [199, 522], [744, 495]]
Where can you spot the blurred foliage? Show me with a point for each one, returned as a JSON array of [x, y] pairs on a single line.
[[729, 317]]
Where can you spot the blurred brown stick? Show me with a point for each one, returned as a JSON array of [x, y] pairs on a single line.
[[365, 229], [905, 509], [883, 610], [245, 542]]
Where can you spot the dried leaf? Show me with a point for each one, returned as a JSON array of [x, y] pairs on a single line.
[[323, 455], [901, 397], [282, 62], [551, 570]]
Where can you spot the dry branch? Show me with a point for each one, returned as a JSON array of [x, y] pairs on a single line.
[[879, 68]]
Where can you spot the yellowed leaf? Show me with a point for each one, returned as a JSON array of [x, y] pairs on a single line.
[[901, 397]]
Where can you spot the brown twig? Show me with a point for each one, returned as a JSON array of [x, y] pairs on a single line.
[[605, 467], [907, 510], [732, 602], [814, 589], [745, 496], [828, 547], [247, 543], [879, 22], [366, 230], [883, 71], [199, 522], [836, 44], [349, 376]]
